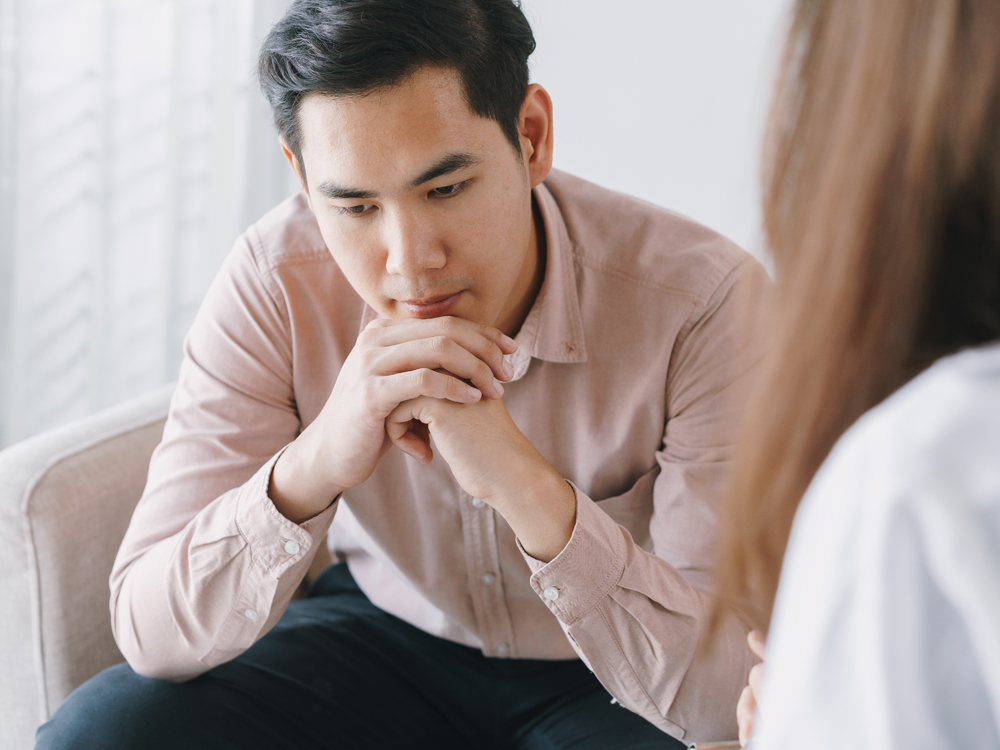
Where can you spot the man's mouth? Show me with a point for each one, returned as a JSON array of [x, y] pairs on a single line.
[[431, 307]]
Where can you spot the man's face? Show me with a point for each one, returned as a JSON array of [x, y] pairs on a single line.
[[424, 205]]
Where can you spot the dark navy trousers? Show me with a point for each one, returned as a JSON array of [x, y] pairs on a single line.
[[337, 672]]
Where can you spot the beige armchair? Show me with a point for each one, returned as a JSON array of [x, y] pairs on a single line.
[[66, 498]]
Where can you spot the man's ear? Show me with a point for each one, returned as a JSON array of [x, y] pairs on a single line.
[[535, 131], [294, 162]]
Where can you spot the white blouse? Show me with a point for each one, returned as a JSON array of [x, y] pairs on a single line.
[[886, 629]]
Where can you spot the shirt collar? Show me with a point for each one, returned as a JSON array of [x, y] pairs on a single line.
[[553, 329]]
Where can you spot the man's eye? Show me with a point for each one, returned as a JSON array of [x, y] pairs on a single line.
[[361, 210], [449, 190]]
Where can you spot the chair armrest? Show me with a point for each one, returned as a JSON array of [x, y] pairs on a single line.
[[66, 498]]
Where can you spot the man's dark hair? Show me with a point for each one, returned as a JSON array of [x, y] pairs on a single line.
[[354, 47]]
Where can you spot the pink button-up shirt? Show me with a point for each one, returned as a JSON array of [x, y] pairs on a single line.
[[625, 380]]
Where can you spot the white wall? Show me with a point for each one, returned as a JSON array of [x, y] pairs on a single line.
[[129, 162], [663, 99], [134, 148]]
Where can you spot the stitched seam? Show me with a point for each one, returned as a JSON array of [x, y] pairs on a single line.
[[267, 280], [266, 253], [601, 591], [214, 646], [254, 542], [319, 257], [603, 267], [698, 311], [576, 321], [626, 662]]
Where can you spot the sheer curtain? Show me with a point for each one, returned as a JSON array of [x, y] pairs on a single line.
[[134, 148]]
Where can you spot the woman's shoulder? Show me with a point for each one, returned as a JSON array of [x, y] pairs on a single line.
[[924, 465], [938, 434], [893, 559]]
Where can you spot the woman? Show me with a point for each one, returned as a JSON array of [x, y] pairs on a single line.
[[879, 408]]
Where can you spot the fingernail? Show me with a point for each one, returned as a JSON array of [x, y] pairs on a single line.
[[508, 341], [498, 387], [507, 370], [474, 392]]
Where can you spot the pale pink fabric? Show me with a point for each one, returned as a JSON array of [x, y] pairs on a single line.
[[625, 380]]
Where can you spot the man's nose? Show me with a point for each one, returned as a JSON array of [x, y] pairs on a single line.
[[413, 247]]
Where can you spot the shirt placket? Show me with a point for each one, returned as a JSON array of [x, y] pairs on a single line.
[[482, 556]]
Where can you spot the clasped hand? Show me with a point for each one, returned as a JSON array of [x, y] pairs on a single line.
[[408, 380]]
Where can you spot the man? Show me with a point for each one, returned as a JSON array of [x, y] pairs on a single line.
[[504, 395]]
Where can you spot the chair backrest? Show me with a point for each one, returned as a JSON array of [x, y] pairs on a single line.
[[66, 498]]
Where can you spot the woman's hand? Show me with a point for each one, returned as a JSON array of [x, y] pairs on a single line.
[[747, 706]]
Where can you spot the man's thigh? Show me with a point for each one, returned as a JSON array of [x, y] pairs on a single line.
[[577, 713], [335, 672]]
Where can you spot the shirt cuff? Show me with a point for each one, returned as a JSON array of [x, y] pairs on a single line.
[[274, 540], [587, 569]]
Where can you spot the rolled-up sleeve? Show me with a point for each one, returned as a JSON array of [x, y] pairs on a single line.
[[638, 617], [208, 564]]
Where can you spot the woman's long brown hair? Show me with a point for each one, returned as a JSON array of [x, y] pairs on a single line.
[[882, 212]]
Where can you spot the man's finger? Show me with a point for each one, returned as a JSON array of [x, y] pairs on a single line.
[[439, 353], [404, 437], [757, 643], [506, 342], [404, 428], [486, 342], [392, 390]]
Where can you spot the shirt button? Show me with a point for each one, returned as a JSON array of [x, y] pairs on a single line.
[[251, 614], [292, 548], [551, 593], [487, 578], [477, 503], [502, 648]]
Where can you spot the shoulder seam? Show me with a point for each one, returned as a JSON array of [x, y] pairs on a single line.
[[698, 311], [258, 240], [272, 287], [603, 267], [700, 298]]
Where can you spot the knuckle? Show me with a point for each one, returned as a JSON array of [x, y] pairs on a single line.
[[422, 378], [438, 343], [367, 358], [483, 370], [493, 351]]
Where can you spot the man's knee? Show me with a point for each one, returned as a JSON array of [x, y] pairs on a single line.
[[116, 709]]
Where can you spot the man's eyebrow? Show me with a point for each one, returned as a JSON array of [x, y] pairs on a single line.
[[331, 189], [447, 165]]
